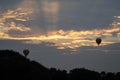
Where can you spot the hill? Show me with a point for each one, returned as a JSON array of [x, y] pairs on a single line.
[[14, 66]]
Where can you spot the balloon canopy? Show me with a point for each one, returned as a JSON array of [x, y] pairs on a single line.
[[26, 52], [98, 41]]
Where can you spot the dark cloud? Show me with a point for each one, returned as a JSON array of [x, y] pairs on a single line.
[[9, 4], [87, 14], [74, 14]]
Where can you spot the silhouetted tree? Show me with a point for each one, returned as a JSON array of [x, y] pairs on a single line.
[[83, 74], [58, 74], [110, 76], [117, 76], [102, 75]]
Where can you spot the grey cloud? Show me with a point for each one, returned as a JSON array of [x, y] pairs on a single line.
[[75, 14], [9, 4], [88, 14]]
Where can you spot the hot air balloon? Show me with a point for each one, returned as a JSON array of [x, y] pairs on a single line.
[[98, 41], [26, 52]]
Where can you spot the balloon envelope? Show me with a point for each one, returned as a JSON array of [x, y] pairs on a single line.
[[98, 41], [25, 52]]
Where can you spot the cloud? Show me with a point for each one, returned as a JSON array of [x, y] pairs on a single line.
[[74, 39], [13, 22], [70, 39], [7, 21], [18, 24], [84, 14]]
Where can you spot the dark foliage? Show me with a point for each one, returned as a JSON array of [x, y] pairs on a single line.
[[14, 66], [83, 74]]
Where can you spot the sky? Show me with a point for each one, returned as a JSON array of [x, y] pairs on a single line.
[[62, 33]]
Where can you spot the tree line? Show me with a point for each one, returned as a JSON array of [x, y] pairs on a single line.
[[14, 66]]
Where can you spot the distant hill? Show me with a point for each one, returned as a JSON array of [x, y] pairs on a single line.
[[14, 66]]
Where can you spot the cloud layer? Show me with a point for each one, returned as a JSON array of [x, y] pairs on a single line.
[[19, 24]]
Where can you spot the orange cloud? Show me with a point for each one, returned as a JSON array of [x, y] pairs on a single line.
[[72, 39]]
